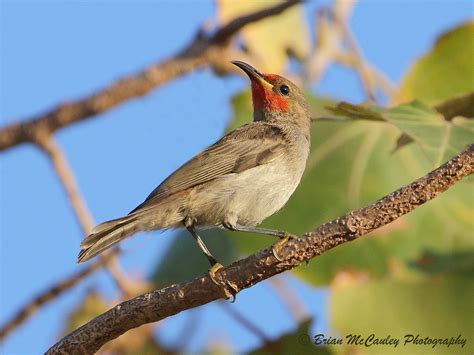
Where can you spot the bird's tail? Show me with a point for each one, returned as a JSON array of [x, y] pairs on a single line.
[[106, 235], [166, 214]]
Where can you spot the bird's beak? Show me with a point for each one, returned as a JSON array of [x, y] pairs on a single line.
[[253, 73]]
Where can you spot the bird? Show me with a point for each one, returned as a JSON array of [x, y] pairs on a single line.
[[235, 183]]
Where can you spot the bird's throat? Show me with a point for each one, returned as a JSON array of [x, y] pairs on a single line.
[[266, 100]]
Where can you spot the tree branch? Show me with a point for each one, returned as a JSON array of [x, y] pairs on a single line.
[[202, 50], [159, 304]]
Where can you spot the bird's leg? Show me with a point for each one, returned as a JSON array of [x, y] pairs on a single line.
[[239, 228], [284, 236], [214, 264]]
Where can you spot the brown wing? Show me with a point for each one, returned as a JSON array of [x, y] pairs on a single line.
[[244, 148]]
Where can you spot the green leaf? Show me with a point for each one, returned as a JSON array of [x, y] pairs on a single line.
[[436, 263], [403, 140], [446, 71], [462, 105], [243, 111], [430, 307], [269, 41], [297, 342], [439, 138]]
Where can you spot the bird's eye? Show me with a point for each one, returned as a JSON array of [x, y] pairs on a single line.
[[285, 90]]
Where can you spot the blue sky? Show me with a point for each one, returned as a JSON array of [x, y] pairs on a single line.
[[57, 51]]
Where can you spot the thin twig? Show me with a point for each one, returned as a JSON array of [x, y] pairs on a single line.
[[379, 79], [66, 177], [247, 324], [50, 294], [360, 64], [370, 77], [201, 51], [336, 44], [189, 329], [330, 119], [289, 298], [160, 304], [328, 43]]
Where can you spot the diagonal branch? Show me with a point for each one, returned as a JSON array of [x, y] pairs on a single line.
[[289, 299], [67, 179], [78, 205], [159, 304], [201, 51], [244, 322]]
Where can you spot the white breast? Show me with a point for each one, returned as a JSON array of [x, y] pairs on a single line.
[[255, 194]]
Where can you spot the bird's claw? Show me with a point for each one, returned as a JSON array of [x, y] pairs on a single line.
[[212, 275], [278, 245]]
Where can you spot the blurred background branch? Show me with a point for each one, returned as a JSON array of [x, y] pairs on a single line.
[[336, 44], [51, 294], [289, 299], [243, 321], [66, 177], [203, 50]]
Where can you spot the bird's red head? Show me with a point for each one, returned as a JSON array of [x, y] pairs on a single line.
[[263, 95], [274, 97]]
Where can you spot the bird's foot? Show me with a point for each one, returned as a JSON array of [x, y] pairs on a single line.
[[278, 245], [212, 273]]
